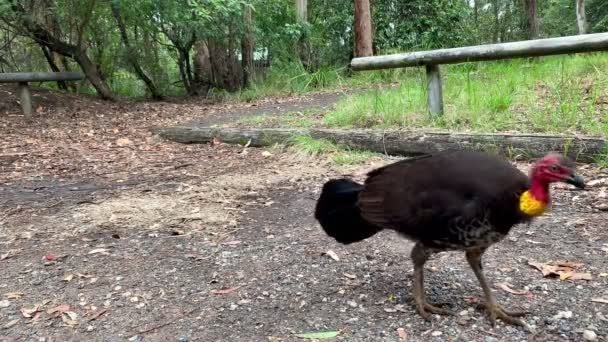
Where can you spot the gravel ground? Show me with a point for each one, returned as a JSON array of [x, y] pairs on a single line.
[[218, 243]]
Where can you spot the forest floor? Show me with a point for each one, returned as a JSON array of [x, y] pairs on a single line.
[[109, 233]]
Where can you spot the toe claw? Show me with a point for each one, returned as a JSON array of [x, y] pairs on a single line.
[[426, 309], [497, 311]]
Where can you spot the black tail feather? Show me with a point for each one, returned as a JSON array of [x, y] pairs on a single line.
[[338, 214]]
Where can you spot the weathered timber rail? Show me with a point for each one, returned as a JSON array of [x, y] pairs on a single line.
[[401, 142], [432, 59], [24, 77]]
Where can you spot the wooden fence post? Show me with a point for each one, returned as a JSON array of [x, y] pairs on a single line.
[[26, 100], [434, 90]]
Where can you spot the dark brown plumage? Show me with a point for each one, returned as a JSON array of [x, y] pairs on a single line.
[[448, 201]]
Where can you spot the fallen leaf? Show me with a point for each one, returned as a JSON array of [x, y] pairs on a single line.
[[402, 335], [67, 318], [603, 275], [350, 276], [600, 300], [123, 142], [14, 295], [72, 315], [225, 291], [332, 255], [49, 257], [507, 287], [35, 318], [4, 256], [266, 154], [58, 309], [68, 277], [103, 251], [28, 313], [11, 324], [563, 269], [319, 335]]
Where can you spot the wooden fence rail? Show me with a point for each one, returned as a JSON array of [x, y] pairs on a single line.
[[24, 77], [432, 59]]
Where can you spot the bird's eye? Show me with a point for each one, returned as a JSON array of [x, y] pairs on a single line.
[[553, 168]]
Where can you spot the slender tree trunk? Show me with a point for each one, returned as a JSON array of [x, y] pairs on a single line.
[[93, 75], [247, 47], [476, 13], [131, 58], [581, 17], [531, 18], [302, 10], [496, 31], [182, 62], [49, 58], [363, 29], [202, 69], [302, 46]]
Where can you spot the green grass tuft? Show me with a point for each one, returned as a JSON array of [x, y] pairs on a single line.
[[338, 154]]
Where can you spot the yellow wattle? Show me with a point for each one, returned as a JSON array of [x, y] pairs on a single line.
[[530, 205]]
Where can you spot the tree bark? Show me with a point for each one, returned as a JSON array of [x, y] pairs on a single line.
[[400, 142], [363, 29], [247, 47], [301, 11], [496, 11], [131, 57], [531, 18], [203, 74], [581, 17], [224, 68]]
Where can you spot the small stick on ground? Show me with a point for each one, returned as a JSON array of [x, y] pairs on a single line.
[[145, 331]]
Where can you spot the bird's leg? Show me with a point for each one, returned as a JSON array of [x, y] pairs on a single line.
[[490, 304], [419, 256]]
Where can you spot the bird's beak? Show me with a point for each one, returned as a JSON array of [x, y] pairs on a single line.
[[576, 180]]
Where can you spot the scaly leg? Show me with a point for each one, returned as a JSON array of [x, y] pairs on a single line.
[[493, 308], [419, 256]]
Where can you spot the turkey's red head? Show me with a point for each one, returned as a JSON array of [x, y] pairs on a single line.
[[556, 168]]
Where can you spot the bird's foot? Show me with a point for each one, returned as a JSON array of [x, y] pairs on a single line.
[[497, 311], [425, 309]]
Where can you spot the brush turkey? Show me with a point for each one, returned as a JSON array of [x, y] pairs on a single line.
[[460, 200]]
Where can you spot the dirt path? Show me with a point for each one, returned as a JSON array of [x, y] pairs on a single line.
[[145, 240]]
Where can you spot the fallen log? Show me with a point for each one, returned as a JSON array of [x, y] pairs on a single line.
[[402, 142]]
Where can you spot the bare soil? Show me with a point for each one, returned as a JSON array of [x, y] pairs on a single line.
[[108, 233]]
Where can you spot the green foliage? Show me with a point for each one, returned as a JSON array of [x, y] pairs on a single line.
[[420, 24]]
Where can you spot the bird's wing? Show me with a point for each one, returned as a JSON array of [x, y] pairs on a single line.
[[430, 194]]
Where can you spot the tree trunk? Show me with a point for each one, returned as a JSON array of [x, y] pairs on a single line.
[[131, 58], [531, 18], [93, 75], [363, 29], [223, 66], [496, 31], [181, 63], [581, 17], [49, 58], [202, 69], [302, 44], [302, 11], [247, 47]]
